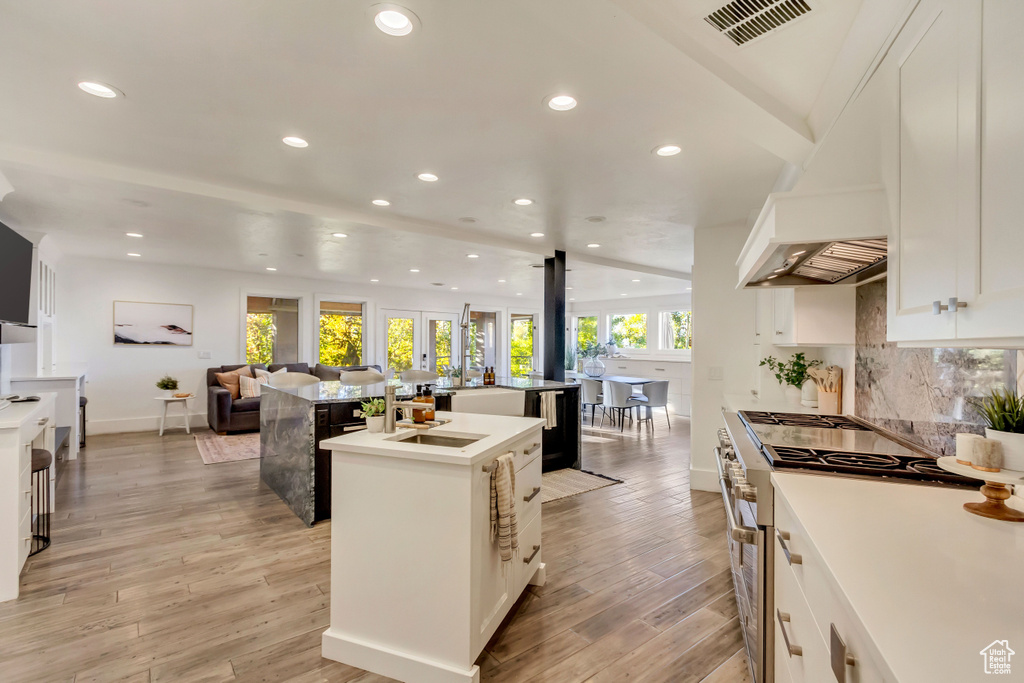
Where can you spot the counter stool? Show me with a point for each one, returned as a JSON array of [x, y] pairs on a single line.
[[82, 400], [40, 514]]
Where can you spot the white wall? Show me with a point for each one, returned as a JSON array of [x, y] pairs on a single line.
[[121, 379], [723, 349], [651, 305]]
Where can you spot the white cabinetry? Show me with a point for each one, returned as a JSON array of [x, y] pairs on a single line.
[[960, 163], [676, 372], [23, 426], [807, 316]]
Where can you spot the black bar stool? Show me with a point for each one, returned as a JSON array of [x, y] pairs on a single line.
[[82, 400], [40, 515]]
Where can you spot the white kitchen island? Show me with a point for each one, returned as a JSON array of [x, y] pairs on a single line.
[[417, 585]]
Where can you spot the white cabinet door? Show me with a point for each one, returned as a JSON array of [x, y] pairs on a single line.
[[815, 316], [924, 241], [783, 317], [992, 277]]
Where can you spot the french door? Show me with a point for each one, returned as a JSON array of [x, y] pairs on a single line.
[[420, 340]]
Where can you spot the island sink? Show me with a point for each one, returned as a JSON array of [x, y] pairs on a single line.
[[428, 439]]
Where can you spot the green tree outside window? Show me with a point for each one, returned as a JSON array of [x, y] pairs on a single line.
[[259, 338], [629, 331], [341, 339]]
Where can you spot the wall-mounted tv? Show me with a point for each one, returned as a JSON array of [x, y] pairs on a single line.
[[15, 276]]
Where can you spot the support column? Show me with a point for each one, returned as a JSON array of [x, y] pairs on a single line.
[[554, 317]]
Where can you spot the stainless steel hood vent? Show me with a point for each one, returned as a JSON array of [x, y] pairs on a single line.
[[833, 238]]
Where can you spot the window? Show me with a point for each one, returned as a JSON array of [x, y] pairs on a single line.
[[522, 344], [401, 339], [586, 331], [341, 333], [677, 330], [483, 332], [439, 345], [629, 330], [271, 330]]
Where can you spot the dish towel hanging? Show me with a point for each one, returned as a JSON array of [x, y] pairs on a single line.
[[504, 525], [547, 409]]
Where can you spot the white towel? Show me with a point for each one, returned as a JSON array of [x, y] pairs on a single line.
[[547, 409]]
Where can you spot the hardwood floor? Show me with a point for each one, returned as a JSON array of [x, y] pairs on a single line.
[[166, 569]]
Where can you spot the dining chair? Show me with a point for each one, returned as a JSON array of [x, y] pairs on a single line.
[[657, 397], [618, 396], [591, 396], [360, 378], [417, 376]]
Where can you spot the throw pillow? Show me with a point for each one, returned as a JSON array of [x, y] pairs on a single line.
[[229, 380], [250, 386], [280, 372], [261, 373]]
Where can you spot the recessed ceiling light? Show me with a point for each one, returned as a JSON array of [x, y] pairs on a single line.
[[562, 102], [688, 289], [536, 234], [519, 293], [636, 281], [568, 287], [381, 202], [593, 245], [500, 280], [772, 277], [100, 89], [269, 268], [797, 253], [595, 219], [454, 288], [523, 201], [338, 234], [780, 270], [427, 177], [668, 150], [373, 279], [472, 255], [133, 254], [572, 299], [394, 21], [133, 234], [293, 141], [622, 295], [414, 270]]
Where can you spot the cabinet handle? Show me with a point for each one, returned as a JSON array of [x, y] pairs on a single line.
[[536, 490], [528, 560], [778, 332], [43, 421], [353, 428], [659, 369], [938, 307], [792, 558], [783, 620], [955, 304], [840, 659], [621, 367], [533, 449]]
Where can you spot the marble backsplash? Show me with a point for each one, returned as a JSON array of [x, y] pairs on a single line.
[[924, 395]]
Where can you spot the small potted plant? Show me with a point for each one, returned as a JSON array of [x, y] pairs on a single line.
[[167, 384], [373, 411], [610, 349], [1003, 412], [791, 374]]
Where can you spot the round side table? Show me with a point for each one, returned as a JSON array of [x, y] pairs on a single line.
[[183, 400]]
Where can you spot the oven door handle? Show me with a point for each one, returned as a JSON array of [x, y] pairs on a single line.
[[738, 532]]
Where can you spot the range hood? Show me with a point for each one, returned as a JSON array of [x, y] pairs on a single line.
[[839, 237]]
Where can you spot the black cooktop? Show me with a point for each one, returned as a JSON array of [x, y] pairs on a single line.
[[922, 469], [801, 420]]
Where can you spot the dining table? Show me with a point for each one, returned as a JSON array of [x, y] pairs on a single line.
[[625, 379]]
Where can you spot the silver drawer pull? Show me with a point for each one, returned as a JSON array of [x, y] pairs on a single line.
[[533, 449], [43, 421], [528, 560], [659, 369], [738, 533], [839, 658], [353, 428], [793, 649], [527, 499], [792, 558]]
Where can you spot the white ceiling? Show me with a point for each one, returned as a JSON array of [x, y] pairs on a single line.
[[211, 88]]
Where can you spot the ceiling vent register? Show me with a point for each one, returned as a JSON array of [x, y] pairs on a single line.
[[744, 20]]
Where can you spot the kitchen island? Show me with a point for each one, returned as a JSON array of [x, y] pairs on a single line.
[[294, 422], [417, 583]]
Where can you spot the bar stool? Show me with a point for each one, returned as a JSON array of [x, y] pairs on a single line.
[[82, 400], [40, 514]]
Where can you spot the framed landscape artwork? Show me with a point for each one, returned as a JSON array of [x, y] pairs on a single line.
[[141, 323]]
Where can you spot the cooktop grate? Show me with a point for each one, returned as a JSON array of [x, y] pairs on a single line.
[[752, 417], [920, 469]]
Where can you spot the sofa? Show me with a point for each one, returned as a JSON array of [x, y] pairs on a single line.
[[243, 414]]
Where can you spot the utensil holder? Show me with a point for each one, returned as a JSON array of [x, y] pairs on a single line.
[[828, 402]]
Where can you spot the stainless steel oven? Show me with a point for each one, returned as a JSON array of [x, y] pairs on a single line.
[[751, 557]]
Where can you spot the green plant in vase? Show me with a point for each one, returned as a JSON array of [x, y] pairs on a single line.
[[167, 383], [373, 411], [792, 373], [1003, 412]]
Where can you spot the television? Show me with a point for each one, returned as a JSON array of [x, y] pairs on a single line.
[[15, 277]]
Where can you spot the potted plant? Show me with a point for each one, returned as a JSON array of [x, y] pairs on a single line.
[[373, 411], [610, 349], [791, 374], [1003, 412], [592, 367], [168, 384], [570, 358]]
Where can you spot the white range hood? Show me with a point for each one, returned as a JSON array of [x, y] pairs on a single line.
[[804, 239]]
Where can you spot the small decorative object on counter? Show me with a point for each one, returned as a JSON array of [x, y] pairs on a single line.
[[611, 348], [830, 388], [987, 456], [373, 411], [419, 416], [965, 445], [168, 384], [1003, 411], [592, 366], [791, 374], [809, 394], [428, 397]]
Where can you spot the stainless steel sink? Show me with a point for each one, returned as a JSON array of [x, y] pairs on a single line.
[[428, 439]]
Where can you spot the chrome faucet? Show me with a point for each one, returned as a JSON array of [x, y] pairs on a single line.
[[390, 403]]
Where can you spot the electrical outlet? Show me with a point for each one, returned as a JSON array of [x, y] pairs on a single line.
[[716, 373], [205, 355]]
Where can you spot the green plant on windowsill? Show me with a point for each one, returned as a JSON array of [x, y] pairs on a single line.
[[793, 372], [167, 383], [570, 358], [373, 407], [591, 350]]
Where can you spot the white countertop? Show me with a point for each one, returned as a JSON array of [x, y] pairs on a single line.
[[931, 583], [66, 371], [496, 430], [15, 414], [735, 402]]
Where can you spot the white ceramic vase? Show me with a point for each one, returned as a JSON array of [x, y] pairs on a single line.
[[1013, 448], [809, 394], [375, 424], [793, 394]]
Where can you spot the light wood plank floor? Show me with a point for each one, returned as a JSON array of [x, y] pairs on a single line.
[[166, 569]]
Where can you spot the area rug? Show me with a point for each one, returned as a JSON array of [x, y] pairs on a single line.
[[216, 449], [569, 482]]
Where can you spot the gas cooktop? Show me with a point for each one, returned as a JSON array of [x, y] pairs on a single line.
[[753, 417], [919, 468]]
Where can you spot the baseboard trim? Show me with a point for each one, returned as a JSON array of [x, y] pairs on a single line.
[[385, 661], [142, 424], [704, 480]]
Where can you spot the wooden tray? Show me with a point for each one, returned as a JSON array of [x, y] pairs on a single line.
[[994, 490]]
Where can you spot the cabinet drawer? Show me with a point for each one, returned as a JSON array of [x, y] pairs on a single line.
[[528, 483], [24, 538], [800, 631], [529, 542], [527, 450]]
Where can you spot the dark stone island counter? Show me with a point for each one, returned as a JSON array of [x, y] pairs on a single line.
[[294, 421]]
